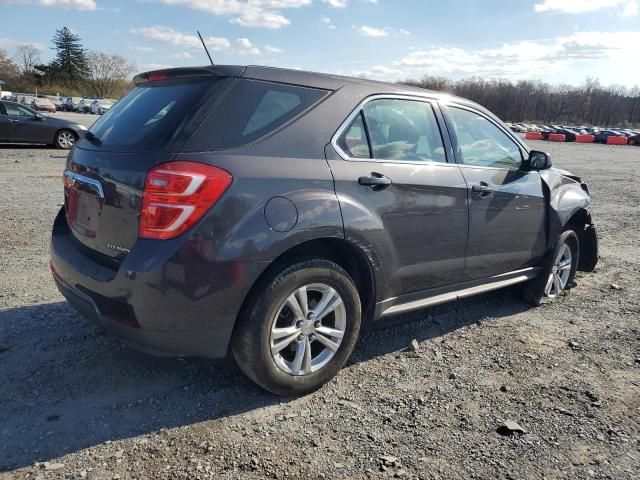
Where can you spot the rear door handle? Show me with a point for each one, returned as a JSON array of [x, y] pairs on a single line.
[[482, 189], [375, 180]]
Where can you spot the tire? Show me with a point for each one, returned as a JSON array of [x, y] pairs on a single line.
[[65, 139], [538, 290], [632, 141], [254, 339]]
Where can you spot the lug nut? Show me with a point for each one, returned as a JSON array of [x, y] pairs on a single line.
[[299, 324], [312, 337], [311, 316], [317, 325], [300, 338]]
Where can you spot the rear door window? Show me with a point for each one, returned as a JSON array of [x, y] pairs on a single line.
[[250, 111]]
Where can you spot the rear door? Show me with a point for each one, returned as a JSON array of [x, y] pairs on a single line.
[[507, 207], [399, 193]]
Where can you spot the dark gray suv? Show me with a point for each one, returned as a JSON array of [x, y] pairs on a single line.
[[277, 211]]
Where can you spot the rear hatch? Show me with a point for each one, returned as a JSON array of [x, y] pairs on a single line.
[[105, 174]]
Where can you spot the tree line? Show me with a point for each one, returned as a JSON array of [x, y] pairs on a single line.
[[539, 102], [73, 70]]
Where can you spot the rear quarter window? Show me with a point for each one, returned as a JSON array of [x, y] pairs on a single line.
[[250, 111]]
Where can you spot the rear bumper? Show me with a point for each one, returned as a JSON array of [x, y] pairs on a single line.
[[205, 343], [179, 304]]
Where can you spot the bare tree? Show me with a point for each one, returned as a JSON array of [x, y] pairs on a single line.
[[535, 101], [27, 55], [107, 73]]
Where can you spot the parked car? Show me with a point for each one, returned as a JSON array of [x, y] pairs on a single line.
[[569, 135], [57, 101], [196, 220], [100, 107], [634, 139], [21, 124], [602, 135], [84, 106], [71, 104], [516, 127], [43, 105], [27, 100]]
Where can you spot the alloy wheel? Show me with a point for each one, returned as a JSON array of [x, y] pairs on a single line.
[[66, 139], [308, 329], [560, 272]]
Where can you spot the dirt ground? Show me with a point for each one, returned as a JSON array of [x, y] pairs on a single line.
[[74, 403]]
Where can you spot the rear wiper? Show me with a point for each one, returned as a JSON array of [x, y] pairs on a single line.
[[92, 138]]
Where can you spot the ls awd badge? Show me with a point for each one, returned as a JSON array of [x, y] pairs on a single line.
[[118, 248]]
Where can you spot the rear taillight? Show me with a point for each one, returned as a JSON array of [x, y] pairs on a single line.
[[176, 195]]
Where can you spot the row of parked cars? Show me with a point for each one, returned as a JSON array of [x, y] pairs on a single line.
[[53, 103], [600, 135]]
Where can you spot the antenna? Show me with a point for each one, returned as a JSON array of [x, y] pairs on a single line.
[[205, 47]]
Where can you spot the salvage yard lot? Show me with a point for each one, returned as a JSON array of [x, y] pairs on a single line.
[[567, 372]]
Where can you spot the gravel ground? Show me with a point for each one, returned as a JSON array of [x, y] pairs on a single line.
[[74, 403]]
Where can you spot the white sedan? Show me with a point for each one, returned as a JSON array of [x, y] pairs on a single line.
[[101, 106]]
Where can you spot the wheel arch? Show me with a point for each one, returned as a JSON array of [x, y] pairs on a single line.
[[342, 252], [580, 222]]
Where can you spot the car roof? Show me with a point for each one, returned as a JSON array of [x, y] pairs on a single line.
[[304, 78]]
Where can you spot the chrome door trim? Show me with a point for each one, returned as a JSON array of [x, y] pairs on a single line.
[[395, 96]]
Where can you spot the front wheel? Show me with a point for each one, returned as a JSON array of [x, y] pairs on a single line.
[[300, 329], [558, 271], [65, 139]]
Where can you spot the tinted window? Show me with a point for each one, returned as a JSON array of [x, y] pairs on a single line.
[[251, 110], [403, 130], [17, 111], [153, 116], [354, 140], [482, 143]]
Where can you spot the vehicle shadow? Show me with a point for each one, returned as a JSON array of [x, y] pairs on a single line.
[[66, 386], [29, 146]]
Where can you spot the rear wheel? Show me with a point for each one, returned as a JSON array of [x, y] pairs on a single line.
[[558, 271], [300, 329], [65, 139]]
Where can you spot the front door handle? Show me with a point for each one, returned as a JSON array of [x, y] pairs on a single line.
[[375, 180], [482, 189]]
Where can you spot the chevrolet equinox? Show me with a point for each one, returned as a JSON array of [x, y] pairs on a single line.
[[275, 212]]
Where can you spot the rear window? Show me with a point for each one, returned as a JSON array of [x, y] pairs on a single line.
[[251, 110], [156, 116]]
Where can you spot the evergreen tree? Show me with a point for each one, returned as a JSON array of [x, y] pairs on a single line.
[[70, 64]]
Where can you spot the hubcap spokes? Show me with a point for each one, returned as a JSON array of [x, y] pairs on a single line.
[[66, 140], [560, 272], [308, 329]]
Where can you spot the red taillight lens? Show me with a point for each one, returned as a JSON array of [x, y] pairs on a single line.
[[176, 195]]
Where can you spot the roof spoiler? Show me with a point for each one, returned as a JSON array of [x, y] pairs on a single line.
[[189, 72]]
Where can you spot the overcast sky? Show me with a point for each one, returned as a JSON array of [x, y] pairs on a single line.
[[560, 41]]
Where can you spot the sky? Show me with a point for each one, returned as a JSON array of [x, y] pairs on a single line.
[[558, 41]]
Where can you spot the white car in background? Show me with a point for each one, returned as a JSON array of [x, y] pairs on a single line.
[[71, 104], [100, 107], [84, 106]]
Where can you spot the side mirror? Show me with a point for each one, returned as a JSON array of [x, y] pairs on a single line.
[[38, 117], [538, 160]]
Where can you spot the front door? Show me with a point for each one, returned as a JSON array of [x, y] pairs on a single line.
[[399, 195], [507, 207], [27, 126]]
